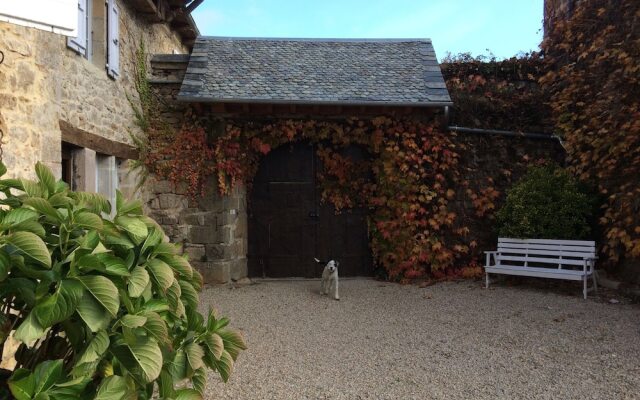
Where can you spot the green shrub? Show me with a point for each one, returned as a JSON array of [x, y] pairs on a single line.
[[103, 308], [545, 204]]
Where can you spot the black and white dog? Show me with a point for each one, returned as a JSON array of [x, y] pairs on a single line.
[[329, 284]]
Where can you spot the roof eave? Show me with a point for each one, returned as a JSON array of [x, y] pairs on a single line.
[[197, 99]]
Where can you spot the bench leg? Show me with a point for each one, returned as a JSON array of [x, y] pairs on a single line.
[[486, 282], [595, 282], [584, 289]]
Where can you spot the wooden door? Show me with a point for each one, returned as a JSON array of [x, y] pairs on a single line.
[[288, 227]]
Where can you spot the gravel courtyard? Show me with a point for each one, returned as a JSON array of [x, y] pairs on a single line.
[[451, 340]]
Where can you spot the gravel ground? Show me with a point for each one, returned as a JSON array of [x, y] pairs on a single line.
[[451, 340]]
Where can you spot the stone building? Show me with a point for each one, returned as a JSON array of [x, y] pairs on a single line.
[[64, 93], [279, 226]]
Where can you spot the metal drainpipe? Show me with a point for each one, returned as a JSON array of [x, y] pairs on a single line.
[[527, 135]]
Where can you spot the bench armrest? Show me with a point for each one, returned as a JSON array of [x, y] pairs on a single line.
[[489, 254]]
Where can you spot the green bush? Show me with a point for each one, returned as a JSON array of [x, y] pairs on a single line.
[[104, 308], [545, 204]]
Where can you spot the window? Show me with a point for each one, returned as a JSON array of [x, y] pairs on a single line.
[[57, 16], [107, 177], [80, 43], [98, 37]]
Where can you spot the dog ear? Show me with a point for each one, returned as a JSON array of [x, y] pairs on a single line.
[[337, 264]]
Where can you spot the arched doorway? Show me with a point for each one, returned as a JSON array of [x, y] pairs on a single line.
[[288, 226]]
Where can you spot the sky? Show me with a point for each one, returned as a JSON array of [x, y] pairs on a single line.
[[502, 27]]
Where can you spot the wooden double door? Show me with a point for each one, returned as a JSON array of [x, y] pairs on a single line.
[[288, 226]]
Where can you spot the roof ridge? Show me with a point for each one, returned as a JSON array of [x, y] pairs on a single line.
[[292, 39]]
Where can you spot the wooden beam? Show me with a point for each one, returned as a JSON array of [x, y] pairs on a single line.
[[82, 138], [193, 5]]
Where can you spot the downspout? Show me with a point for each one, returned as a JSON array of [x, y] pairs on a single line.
[[527, 135]]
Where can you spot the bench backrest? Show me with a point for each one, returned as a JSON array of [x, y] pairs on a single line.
[[542, 252]]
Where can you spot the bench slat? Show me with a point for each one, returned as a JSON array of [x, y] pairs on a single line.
[[538, 272], [548, 241], [536, 252], [546, 247], [549, 260]]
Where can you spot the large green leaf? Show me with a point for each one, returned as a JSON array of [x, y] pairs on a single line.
[[156, 327], [224, 365], [3, 168], [93, 313], [46, 177], [194, 355], [22, 384], [5, 264], [178, 365], [18, 215], [32, 226], [179, 264], [200, 380], [133, 321], [143, 358], [60, 305], [215, 344], [104, 291], [161, 272], [23, 288], [31, 188], [70, 390], [113, 265], [114, 388], [189, 294], [31, 246], [153, 239], [134, 226], [29, 330], [47, 374], [188, 394], [138, 281], [88, 220], [124, 207], [165, 385], [43, 206], [88, 362]]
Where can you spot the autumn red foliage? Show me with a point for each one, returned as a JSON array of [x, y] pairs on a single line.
[[593, 63]]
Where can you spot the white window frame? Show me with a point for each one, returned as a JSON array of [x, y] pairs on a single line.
[[57, 16]]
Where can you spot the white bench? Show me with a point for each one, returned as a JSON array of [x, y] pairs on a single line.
[[558, 259]]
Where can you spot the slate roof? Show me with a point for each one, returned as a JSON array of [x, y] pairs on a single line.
[[315, 71]]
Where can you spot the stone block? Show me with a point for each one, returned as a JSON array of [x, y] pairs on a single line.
[[239, 269], [215, 272], [204, 234], [196, 252], [217, 252], [224, 235], [169, 200], [196, 218]]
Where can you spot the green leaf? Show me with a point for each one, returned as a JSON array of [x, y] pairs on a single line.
[[104, 291], [70, 390], [179, 264], [47, 374], [178, 365], [22, 384], [31, 188], [194, 354], [165, 248], [93, 314], [153, 239], [5, 264], [199, 380], [188, 394], [88, 362], [29, 330], [30, 226], [46, 177], [143, 358], [32, 246], [215, 344], [114, 388], [42, 206], [133, 321], [60, 305], [23, 288], [224, 365], [138, 281], [95, 202], [156, 305], [88, 220], [189, 294], [232, 338], [165, 385], [18, 215], [113, 265], [3, 168], [156, 327], [134, 226], [161, 272]]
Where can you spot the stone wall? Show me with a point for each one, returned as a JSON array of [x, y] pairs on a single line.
[[42, 82]]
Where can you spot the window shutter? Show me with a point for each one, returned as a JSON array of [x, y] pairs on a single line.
[[79, 43], [113, 38]]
